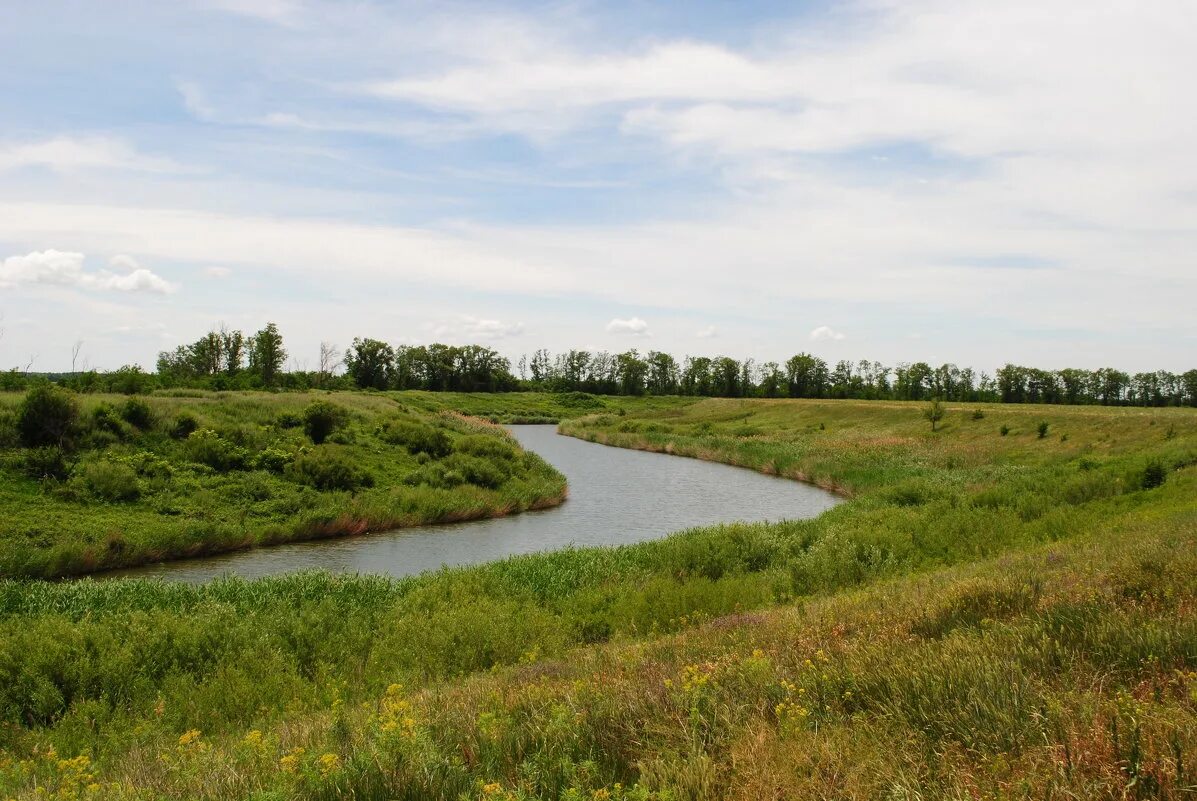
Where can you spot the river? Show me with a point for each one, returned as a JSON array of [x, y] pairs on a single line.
[[616, 496]]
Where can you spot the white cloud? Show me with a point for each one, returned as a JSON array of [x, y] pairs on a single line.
[[67, 154], [282, 12], [464, 257], [61, 268], [473, 329], [216, 272], [707, 333], [824, 332], [632, 326], [555, 80]]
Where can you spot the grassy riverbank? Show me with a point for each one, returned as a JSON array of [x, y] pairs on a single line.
[[990, 616], [126, 481], [538, 407]]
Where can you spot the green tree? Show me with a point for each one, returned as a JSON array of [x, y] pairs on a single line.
[[632, 371], [934, 412], [806, 376], [370, 363], [266, 354], [662, 373], [232, 345], [772, 380]]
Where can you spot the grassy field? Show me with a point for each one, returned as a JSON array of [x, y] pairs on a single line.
[[537, 407], [992, 615], [138, 480]]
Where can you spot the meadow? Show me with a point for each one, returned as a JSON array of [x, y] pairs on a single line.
[[120, 481], [1004, 609]]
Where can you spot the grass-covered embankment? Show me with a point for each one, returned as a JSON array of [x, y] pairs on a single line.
[[1006, 618], [511, 408], [91, 482]]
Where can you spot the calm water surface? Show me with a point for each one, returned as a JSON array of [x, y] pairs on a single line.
[[616, 496]]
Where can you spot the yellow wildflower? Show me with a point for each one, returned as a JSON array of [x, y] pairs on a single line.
[[290, 761], [329, 763]]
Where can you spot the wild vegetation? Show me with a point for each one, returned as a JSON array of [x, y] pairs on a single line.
[[225, 360], [89, 482], [991, 615]]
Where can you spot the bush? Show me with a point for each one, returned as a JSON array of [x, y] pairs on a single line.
[[1042, 429], [321, 418], [207, 447], [138, 413], [107, 418], [9, 437], [272, 460], [149, 465], [417, 438], [479, 472], [46, 416], [185, 425], [487, 447], [45, 462], [579, 400], [1154, 475], [111, 481], [130, 380], [978, 414], [1004, 430], [328, 469], [288, 420], [436, 475]]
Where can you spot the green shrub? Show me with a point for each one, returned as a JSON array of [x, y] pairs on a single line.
[[45, 462], [978, 414], [487, 447], [149, 465], [1004, 430], [46, 416], [476, 471], [435, 474], [327, 468], [185, 424], [1154, 475], [579, 400], [272, 460], [130, 380], [111, 481], [138, 413], [207, 447], [288, 420], [1042, 429], [416, 437], [9, 437], [321, 418], [107, 418]]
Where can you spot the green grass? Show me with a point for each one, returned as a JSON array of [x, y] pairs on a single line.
[[989, 616], [535, 407], [248, 475]]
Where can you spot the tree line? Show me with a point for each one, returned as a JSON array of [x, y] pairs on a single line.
[[224, 359]]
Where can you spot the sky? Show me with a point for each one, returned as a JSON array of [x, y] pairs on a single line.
[[900, 180]]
